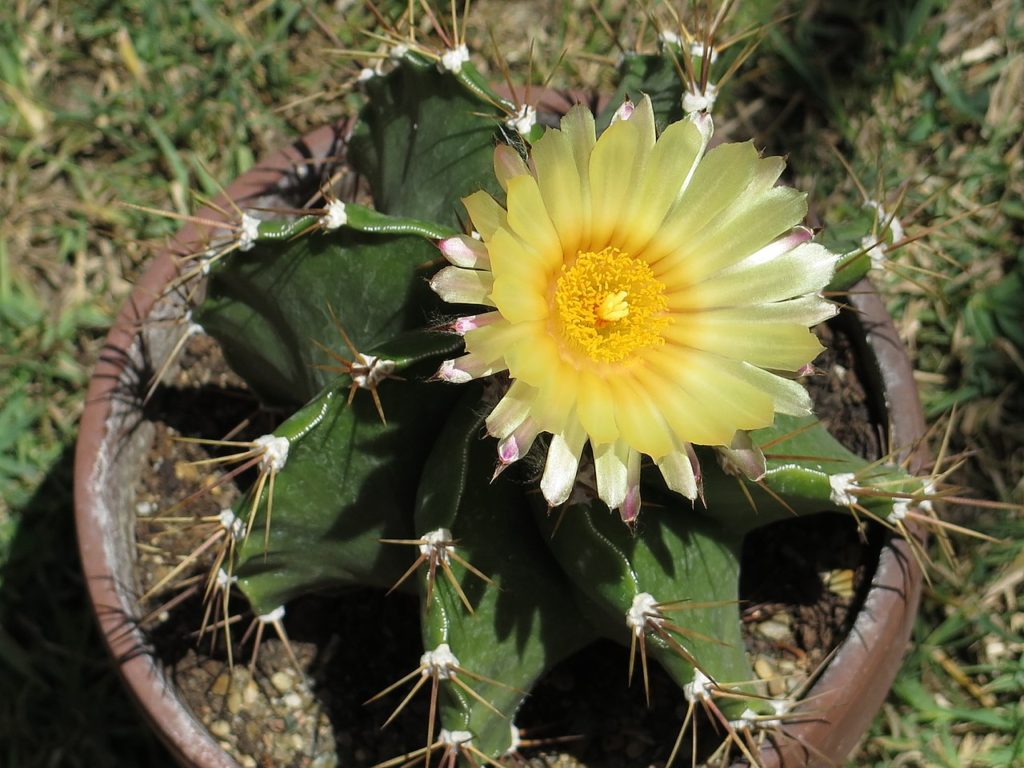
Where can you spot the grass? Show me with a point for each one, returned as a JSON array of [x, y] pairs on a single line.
[[102, 103]]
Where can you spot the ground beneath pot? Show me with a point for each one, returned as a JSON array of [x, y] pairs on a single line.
[[801, 584]]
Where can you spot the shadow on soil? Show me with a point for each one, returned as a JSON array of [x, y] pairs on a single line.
[[62, 703]]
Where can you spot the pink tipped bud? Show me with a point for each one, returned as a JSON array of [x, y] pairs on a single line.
[[463, 369], [450, 372], [631, 505], [807, 370], [464, 251], [777, 248], [508, 450], [464, 325], [517, 444], [624, 112], [508, 164]]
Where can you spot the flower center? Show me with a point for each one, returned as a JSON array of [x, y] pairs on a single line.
[[610, 305]]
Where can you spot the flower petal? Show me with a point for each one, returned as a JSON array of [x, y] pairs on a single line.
[[733, 238], [562, 463], [517, 302], [782, 346], [805, 269], [557, 398], [805, 311], [463, 286], [511, 257], [640, 421], [485, 213], [643, 119], [596, 408], [466, 368], [492, 342], [612, 166], [559, 183], [465, 251], [467, 323], [534, 363], [671, 162], [689, 419], [630, 507], [743, 457], [511, 411], [578, 127], [610, 469], [791, 398], [507, 164], [720, 178], [678, 473], [711, 379], [518, 443], [528, 218]]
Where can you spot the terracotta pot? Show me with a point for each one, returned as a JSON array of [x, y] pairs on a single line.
[[110, 455], [851, 689]]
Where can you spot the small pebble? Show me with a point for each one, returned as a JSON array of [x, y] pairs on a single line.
[[292, 700], [282, 681], [220, 728], [325, 761], [251, 692], [247, 761], [221, 685], [773, 630], [234, 701], [763, 668]]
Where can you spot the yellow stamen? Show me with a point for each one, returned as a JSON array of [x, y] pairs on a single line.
[[596, 319]]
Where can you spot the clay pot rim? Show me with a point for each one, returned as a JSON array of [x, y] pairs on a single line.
[[847, 694]]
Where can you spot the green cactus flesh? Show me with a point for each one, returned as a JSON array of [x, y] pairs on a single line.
[[506, 594]]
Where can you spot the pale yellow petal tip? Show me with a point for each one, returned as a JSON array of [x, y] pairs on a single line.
[[681, 472], [559, 471], [463, 286]]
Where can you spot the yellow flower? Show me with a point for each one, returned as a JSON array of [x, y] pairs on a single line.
[[646, 297]]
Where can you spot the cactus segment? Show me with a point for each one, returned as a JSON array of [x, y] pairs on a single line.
[[349, 482], [850, 269], [523, 622], [807, 471], [269, 305], [679, 570], [364, 219], [424, 142]]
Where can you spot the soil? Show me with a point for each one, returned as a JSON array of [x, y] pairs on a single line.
[[801, 585]]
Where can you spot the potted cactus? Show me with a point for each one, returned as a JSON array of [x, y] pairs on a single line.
[[542, 373]]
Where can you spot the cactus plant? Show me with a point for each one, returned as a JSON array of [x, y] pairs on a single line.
[[624, 313]]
